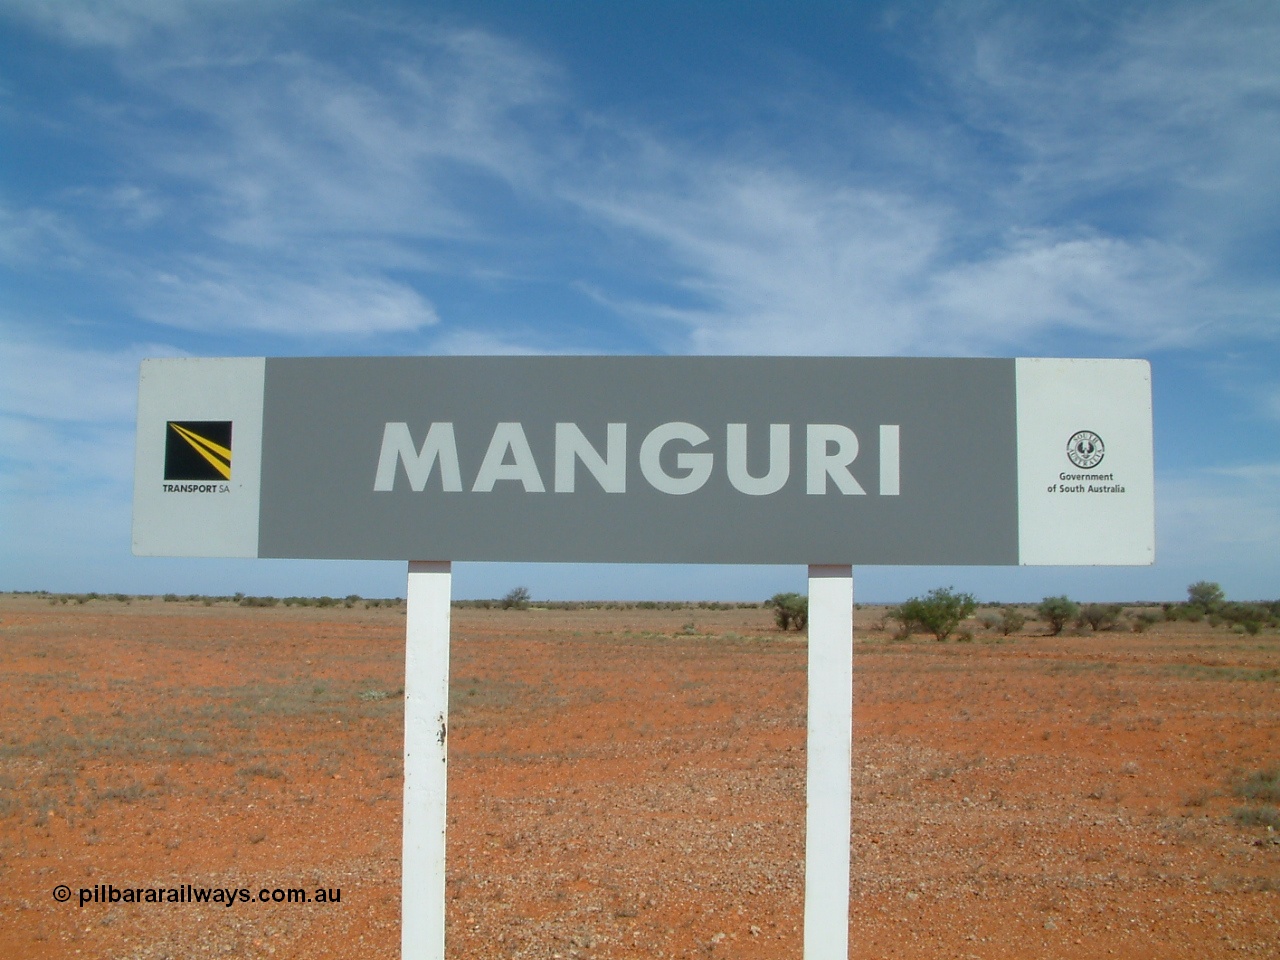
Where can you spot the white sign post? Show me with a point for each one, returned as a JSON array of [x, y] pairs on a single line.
[[426, 759], [828, 787]]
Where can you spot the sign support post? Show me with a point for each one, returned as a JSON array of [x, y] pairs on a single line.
[[426, 759], [828, 799]]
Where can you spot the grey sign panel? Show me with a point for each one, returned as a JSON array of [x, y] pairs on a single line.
[[643, 459], [324, 424]]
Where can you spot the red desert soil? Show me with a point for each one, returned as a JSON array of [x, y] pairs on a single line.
[[629, 783]]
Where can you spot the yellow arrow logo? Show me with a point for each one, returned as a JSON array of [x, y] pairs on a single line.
[[219, 457]]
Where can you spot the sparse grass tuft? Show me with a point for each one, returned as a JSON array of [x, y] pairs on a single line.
[[259, 770], [1257, 817], [1263, 786], [1199, 798], [130, 793]]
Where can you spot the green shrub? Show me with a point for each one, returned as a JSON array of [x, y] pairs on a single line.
[[1142, 620], [1251, 616], [789, 610], [1206, 600], [1099, 616], [1205, 596], [1056, 611], [1011, 621], [517, 599], [939, 612]]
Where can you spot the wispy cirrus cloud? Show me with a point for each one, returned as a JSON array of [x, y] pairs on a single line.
[[478, 343], [45, 380], [118, 23], [1172, 99], [403, 147], [38, 237], [307, 191], [777, 264], [1101, 191], [456, 147], [66, 431], [217, 296]]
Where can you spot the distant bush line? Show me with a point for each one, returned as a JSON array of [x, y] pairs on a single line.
[[942, 612], [208, 600], [354, 600], [504, 603]]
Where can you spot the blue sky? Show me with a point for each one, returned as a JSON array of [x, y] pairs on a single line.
[[972, 179]]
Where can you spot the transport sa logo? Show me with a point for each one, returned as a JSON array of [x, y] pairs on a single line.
[[197, 456]]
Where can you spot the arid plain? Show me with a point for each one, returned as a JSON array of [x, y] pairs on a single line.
[[630, 783]]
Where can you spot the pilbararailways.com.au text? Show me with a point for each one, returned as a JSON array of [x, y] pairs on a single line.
[[108, 893]]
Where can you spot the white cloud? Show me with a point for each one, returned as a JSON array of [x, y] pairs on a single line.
[[777, 264], [221, 297], [1136, 293], [36, 237], [41, 456], [1175, 103], [302, 190], [1263, 477], [311, 178], [66, 444], [404, 145], [112, 23], [51, 382], [471, 343], [126, 204], [1223, 519], [996, 248]]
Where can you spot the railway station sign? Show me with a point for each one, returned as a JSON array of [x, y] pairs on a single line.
[[648, 459]]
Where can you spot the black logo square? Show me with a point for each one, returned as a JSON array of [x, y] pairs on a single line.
[[197, 450]]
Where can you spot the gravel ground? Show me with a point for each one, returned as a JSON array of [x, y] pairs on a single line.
[[630, 784]]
